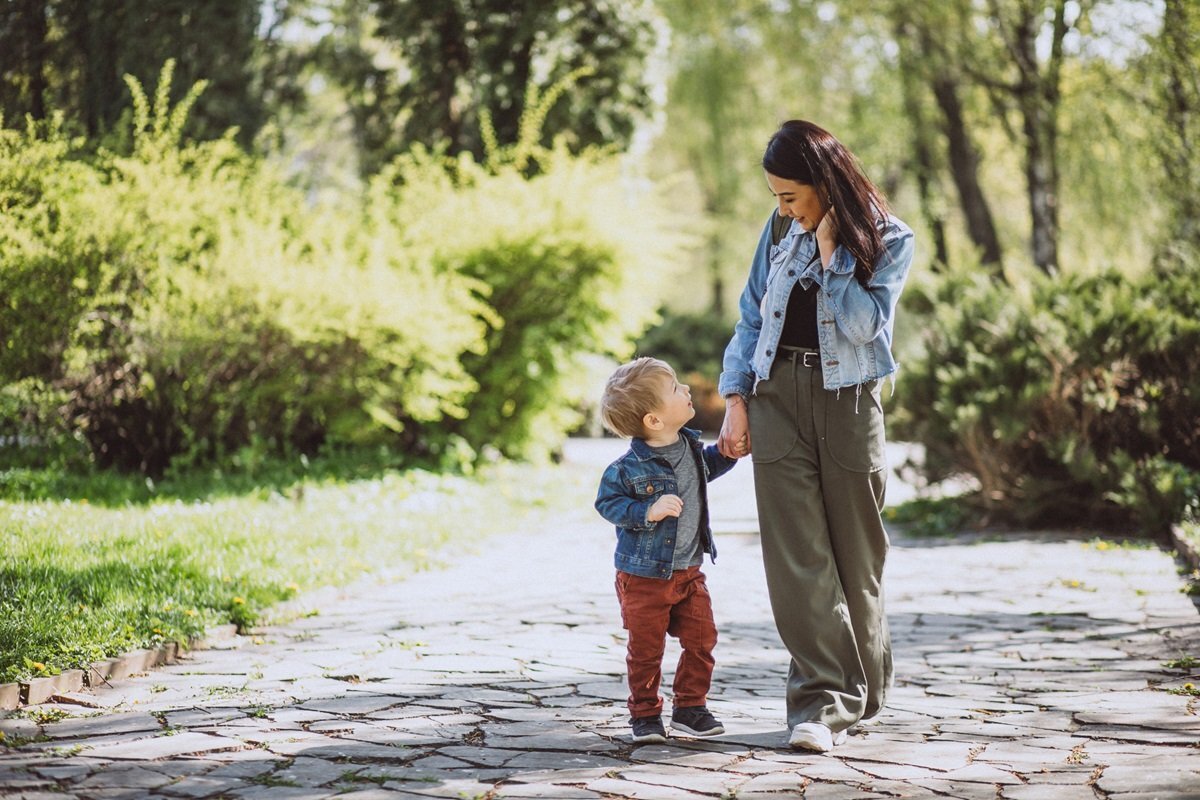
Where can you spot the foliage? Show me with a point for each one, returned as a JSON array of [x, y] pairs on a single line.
[[688, 342], [69, 55], [80, 582], [570, 262], [1076, 404], [423, 71], [236, 321]]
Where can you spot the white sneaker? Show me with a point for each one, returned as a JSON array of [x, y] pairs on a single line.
[[840, 738], [811, 736]]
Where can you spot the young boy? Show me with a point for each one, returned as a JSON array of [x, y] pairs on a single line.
[[656, 495]]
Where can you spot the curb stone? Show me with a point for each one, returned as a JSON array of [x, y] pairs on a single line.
[[39, 690]]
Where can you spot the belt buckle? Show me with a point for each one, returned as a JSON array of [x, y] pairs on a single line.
[[816, 359]]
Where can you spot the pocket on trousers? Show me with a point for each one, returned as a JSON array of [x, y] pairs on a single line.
[[773, 429], [855, 437]]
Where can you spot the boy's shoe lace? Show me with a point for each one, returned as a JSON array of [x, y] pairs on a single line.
[[695, 720], [648, 729]]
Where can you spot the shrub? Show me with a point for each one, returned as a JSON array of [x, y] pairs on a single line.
[[184, 305], [571, 263], [1079, 403]]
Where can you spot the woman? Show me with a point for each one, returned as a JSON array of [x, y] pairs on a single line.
[[802, 380]]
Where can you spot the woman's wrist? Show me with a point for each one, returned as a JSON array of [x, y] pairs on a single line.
[[732, 400]]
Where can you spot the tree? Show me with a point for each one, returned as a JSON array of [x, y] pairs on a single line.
[[421, 71], [928, 39], [712, 98], [1020, 79], [71, 55], [1178, 96]]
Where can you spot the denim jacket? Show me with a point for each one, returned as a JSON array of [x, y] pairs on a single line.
[[632, 484], [854, 324]]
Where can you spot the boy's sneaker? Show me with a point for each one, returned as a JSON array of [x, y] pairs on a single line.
[[648, 729], [695, 720]]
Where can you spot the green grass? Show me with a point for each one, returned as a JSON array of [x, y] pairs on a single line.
[[83, 580]]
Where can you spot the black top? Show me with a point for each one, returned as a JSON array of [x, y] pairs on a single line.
[[800, 320]]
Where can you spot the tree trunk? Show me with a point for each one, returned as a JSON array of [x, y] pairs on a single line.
[[964, 167], [1041, 176], [1036, 94], [1180, 101], [33, 13]]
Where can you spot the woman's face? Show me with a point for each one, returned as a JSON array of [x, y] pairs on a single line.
[[800, 201]]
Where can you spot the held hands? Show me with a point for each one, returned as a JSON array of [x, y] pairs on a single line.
[[669, 505], [734, 439]]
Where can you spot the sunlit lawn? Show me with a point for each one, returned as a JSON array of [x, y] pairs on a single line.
[[80, 581]]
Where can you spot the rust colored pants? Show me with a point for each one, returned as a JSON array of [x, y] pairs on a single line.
[[651, 608]]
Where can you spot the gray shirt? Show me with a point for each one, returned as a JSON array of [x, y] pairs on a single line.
[[687, 479]]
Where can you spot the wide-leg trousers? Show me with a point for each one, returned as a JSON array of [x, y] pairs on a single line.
[[819, 476]]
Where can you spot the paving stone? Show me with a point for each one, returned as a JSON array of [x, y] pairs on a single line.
[[1118, 780], [123, 778], [106, 725], [164, 747], [549, 791], [198, 786], [1049, 791]]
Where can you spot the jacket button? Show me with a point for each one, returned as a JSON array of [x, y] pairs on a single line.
[[791, 273], [769, 352], [778, 314]]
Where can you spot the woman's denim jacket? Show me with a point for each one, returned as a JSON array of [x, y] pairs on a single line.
[[854, 324], [632, 484]]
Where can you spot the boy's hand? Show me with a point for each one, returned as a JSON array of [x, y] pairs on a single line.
[[669, 505]]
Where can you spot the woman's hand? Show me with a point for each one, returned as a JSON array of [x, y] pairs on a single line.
[[827, 236], [734, 439]]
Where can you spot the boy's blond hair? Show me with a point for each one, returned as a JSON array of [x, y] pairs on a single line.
[[632, 392]]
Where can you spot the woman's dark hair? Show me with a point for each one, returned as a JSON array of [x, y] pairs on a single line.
[[806, 153]]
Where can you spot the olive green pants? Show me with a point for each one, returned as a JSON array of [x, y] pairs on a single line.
[[819, 477]]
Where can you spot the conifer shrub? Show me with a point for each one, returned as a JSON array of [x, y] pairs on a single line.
[[1075, 403]]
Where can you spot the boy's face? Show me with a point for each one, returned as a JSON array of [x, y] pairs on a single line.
[[674, 404]]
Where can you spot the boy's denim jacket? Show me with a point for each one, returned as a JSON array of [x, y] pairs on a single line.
[[631, 484], [854, 324]]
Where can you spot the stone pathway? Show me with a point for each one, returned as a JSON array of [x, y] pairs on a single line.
[[1027, 667]]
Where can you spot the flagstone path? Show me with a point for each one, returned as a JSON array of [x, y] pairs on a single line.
[[1027, 667]]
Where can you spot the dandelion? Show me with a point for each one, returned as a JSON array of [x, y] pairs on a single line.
[[37, 666], [237, 601], [1188, 687], [257, 640], [1102, 545], [191, 612], [292, 586]]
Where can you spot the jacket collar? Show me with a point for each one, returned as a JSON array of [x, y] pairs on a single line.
[[643, 451]]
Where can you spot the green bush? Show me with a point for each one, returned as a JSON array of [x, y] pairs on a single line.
[[1078, 403], [181, 304], [689, 342], [571, 264]]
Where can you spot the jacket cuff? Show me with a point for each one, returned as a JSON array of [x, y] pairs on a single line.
[[735, 383]]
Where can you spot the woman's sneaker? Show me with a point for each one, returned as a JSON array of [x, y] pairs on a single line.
[[696, 721], [648, 729], [814, 736]]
